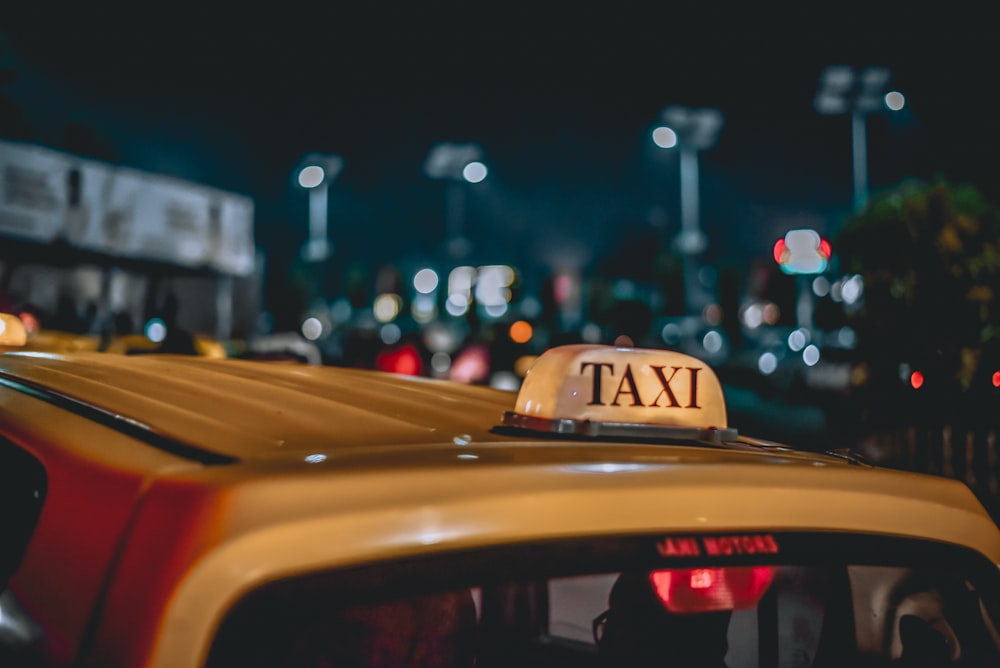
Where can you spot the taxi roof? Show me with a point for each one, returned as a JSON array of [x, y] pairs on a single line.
[[243, 409], [265, 414]]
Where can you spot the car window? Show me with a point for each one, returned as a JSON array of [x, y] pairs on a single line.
[[23, 486], [874, 603]]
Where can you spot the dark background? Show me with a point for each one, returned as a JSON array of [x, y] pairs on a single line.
[[562, 97]]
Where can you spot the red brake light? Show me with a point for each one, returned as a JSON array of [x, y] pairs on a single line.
[[691, 590], [403, 360], [824, 248], [780, 251]]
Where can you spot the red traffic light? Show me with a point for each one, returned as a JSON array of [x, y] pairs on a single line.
[[802, 252]]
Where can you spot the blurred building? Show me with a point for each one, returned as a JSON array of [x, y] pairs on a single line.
[[91, 240]]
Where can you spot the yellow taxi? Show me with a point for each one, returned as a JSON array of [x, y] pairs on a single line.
[[188, 511], [131, 344], [16, 335]]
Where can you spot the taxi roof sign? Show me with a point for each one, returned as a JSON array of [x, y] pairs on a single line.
[[596, 390]]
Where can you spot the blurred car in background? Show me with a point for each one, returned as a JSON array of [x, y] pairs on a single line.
[[37, 339], [16, 335], [133, 344]]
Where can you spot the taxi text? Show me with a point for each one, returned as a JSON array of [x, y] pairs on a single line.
[[627, 385]]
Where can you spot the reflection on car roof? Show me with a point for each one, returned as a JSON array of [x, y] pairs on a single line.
[[249, 408]]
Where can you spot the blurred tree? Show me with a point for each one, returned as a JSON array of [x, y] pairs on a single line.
[[929, 255]]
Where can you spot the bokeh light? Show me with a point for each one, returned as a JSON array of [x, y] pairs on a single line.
[[521, 331], [403, 360], [591, 333], [457, 304], [712, 341], [30, 322], [496, 310], [810, 355], [425, 281], [505, 380], [311, 176], [312, 328], [471, 365], [712, 315], [664, 137], [671, 333], [767, 363], [156, 330], [386, 307], [821, 286], [474, 172], [390, 333], [423, 309], [771, 313], [440, 338], [798, 339], [753, 317], [440, 362], [847, 337], [895, 100], [530, 307], [851, 289]]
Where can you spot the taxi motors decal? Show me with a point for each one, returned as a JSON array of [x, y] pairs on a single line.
[[677, 379], [718, 546]]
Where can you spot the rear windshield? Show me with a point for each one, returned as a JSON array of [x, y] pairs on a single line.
[[733, 600]]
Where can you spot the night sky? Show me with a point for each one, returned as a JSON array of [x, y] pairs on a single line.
[[562, 97]]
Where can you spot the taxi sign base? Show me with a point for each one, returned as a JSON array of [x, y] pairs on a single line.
[[593, 429]]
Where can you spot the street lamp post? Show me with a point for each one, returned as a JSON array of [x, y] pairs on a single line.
[[315, 173], [456, 164], [843, 90], [691, 131]]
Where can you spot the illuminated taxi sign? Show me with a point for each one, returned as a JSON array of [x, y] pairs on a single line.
[[594, 390]]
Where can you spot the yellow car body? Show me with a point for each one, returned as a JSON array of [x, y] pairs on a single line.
[[176, 486]]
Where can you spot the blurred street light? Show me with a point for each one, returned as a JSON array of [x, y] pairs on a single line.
[[804, 254], [844, 90], [315, 173], [691, 131], [456, 164]]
